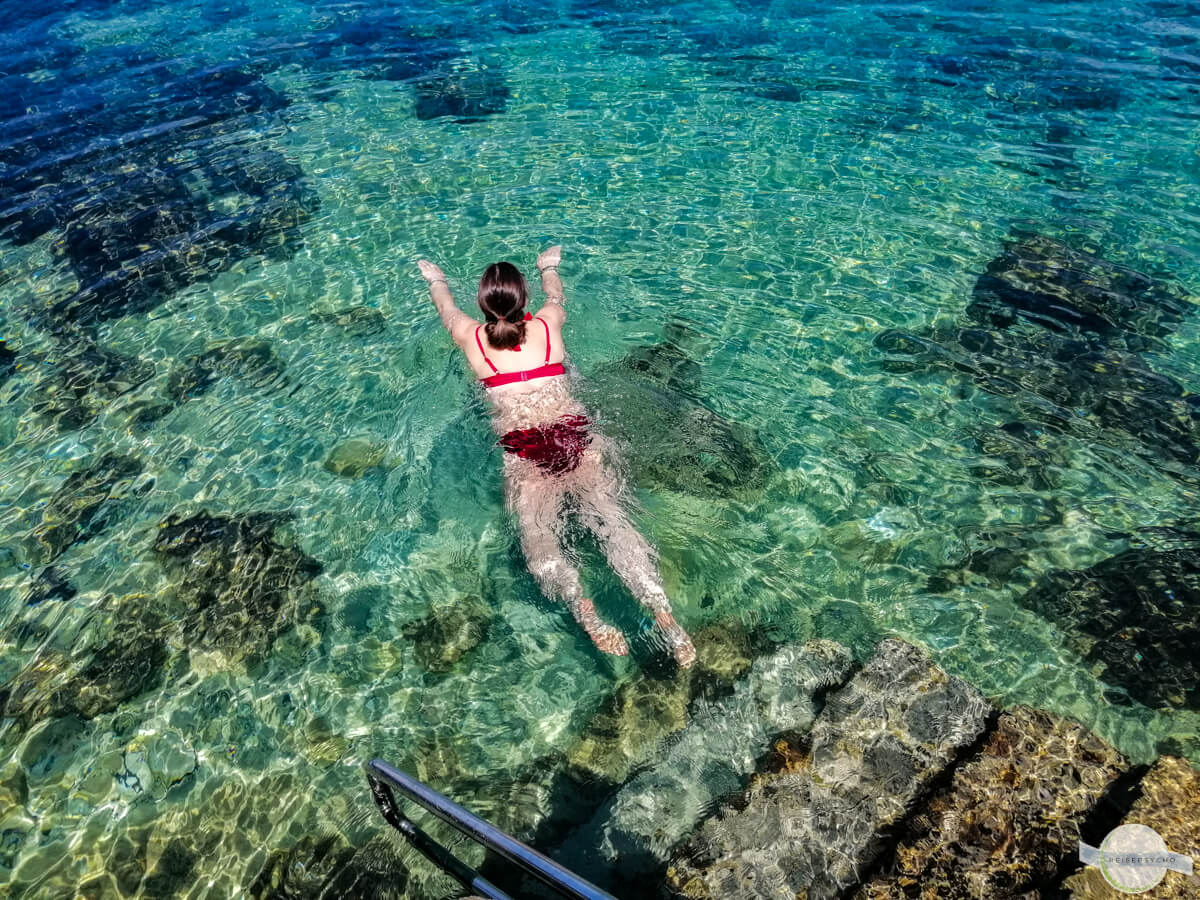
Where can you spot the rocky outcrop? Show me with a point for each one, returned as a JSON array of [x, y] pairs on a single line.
[[875, 748], [1009, 817], [714, 755], [1170, 804]]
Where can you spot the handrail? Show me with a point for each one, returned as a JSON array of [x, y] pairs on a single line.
[[566, 882]]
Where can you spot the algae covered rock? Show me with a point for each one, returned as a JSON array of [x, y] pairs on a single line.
[[250, 360], [354, 321], [640, 714], [1009, 817], [87, 502], [450, 631], [86, 379], [1042, 280], [649, 401], [240, 587], [355, 456], [130, 662]]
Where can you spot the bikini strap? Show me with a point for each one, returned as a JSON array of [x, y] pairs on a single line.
[[479, 344], [547, 340]]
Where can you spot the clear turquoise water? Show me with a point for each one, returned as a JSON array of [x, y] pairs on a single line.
[[783, 182]]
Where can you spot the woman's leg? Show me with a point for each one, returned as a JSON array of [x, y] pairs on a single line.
[[537, 501], [603, 503]]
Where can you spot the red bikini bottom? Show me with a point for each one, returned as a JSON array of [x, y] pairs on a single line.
[[557, 447]]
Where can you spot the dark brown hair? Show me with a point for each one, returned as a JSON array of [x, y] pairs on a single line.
[[502, 296]]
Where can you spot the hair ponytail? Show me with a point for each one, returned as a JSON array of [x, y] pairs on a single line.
[[502, 295]]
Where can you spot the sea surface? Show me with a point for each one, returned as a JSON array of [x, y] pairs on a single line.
[[252, 531]]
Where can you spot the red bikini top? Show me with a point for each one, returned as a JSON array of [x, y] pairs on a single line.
[[547, 368]]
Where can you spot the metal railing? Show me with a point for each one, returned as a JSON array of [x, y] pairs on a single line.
[[383, 777]]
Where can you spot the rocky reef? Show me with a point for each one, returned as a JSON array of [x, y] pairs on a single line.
[[452, 629], [145, 198], [86, 379], [1052, 285], [248, 359], [1136, 617], [1009, 817]]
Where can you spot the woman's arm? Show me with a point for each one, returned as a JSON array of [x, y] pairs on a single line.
[[552, 286], [457, 322]]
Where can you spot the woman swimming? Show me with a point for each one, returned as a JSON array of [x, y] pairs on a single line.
[[553, 453]]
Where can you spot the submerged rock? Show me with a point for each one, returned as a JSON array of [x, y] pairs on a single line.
[[648, 400], [354, 457], [713, 756], [875, 747], [88, 379], [51, 584], [1170, 804], [1136, 618], [8, 360], [452, 629], [147, 199], [129, 663], [635, 719], [239, 587], [466, 94], [1057, 287], [248, 359], [327, 865], [87, 503], [1009, 817], [355, 321]]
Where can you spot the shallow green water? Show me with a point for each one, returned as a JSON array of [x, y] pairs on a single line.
[[780, 231]]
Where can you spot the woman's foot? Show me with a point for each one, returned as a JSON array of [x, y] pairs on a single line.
[[677, 639], [607, 638]]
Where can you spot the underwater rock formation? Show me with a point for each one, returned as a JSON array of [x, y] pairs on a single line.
[[53, 685], [672, 440], [1044, 281], [875, 748], [452, 629], [640, 714], [148, 197], [327, 865], [1136, 618], [87, 503], [465, 94], [710, 758], [51, 584], [239, 587], [248, 359], [1094, 314], [1008, 818], [1170, 804], [8, 360], [354, 457], [86, 380], [354, 321]]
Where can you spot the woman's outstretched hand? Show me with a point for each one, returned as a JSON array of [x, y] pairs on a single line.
[[430, 272], [549, 257]]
